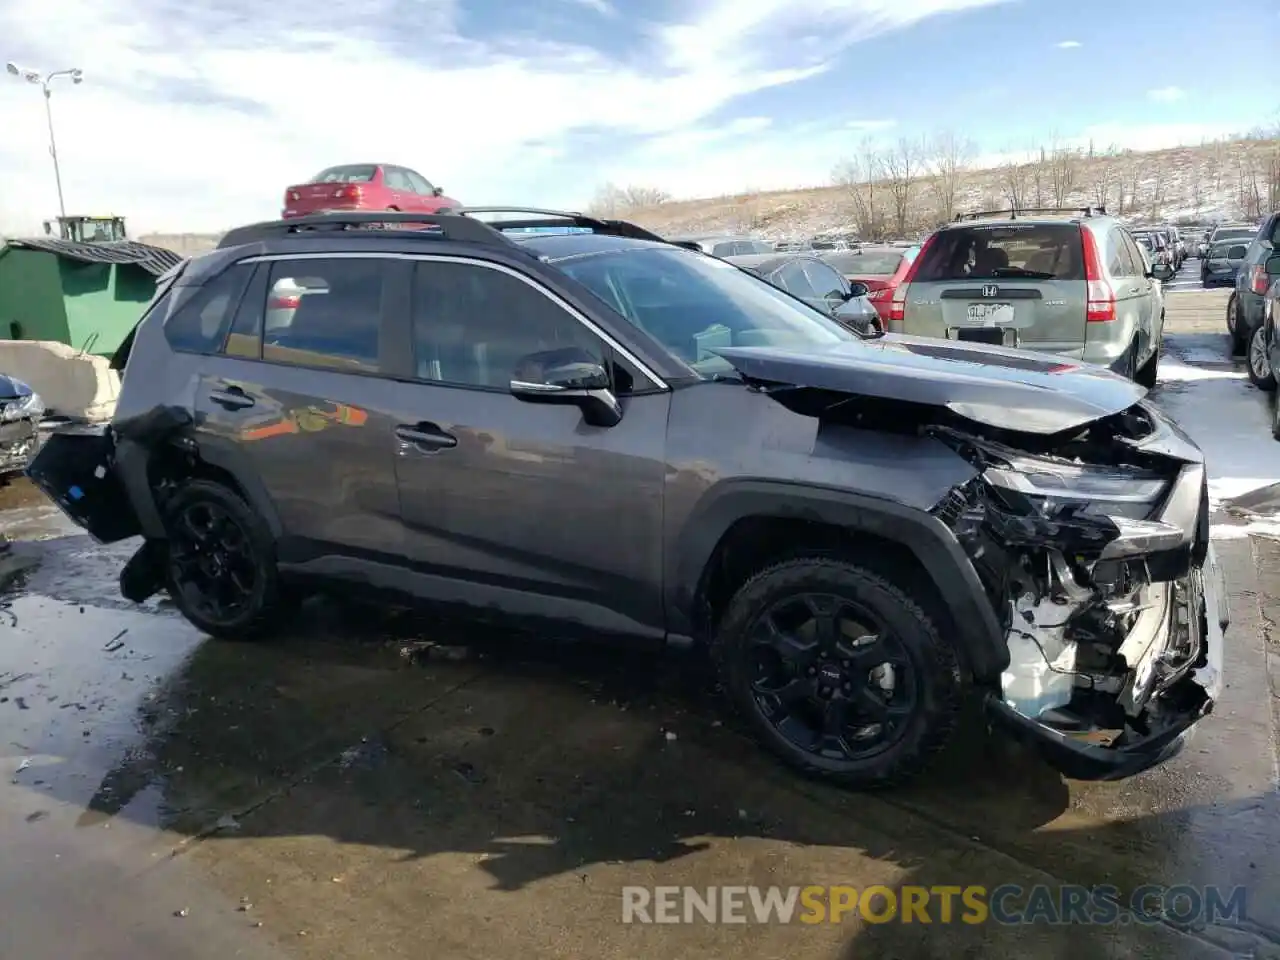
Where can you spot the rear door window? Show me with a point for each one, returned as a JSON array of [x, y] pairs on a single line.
[[1033, 251], [824, 280], [1119, 260], [792, 279], [322, 313]]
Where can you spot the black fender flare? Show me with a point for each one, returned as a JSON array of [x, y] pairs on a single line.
[[929, 540]]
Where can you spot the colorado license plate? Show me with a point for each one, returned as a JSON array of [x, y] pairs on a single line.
[[990, 314]]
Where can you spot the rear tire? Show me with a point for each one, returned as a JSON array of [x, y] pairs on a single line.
[[220, 567], [1150, 372], [1233, 328], [873, 661], [1258, 360]]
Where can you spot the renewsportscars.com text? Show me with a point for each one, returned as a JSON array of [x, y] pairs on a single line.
[[972, 904]]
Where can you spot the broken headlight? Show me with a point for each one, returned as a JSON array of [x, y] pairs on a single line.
[[27, 406], [1049, 486]]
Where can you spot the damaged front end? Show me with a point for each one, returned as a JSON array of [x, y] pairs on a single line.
[[1094, 550]]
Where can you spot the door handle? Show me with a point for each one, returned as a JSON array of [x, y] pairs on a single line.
[[233, 398], [426, 435], [1135, 290]]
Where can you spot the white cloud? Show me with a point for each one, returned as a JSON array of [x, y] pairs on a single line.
[[1068, 44], [195, 118], [604, 7], [1166, 94], [871, 125]]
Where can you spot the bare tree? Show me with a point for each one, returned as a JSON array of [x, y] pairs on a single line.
[[1154, 177], [1218, 164], [1038, 170], [948, 155], [611, 200], [862, 175], [1015, 182], [1062, 173], [1102, 174], [1248, 184], [1195, 184], [902, 168], [1131, 173]]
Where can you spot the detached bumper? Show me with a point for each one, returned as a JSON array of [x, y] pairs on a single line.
[[19, 441]]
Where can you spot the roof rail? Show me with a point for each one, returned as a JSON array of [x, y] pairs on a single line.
[[441, 226], [1014, 212], [538, 217]]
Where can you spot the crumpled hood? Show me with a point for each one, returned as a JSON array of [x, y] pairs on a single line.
[[998, 387]]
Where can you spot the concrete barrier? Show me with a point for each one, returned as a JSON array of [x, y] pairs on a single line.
[[71, 383]]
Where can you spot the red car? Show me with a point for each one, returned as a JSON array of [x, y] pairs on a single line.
[[365, 186], [880, 268]]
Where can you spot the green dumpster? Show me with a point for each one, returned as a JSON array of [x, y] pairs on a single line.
[[87, 295]]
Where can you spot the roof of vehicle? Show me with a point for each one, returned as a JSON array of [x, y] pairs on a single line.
[[1022, 215], [553, 247], [462, 226], [768, 262]]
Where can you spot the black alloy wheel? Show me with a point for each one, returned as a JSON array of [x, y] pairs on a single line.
[[838, 671], [831, 678], [220, 566]]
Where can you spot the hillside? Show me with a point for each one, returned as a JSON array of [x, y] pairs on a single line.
[[915, 189], [911, 190]]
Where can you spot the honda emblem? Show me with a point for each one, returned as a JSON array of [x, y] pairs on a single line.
[[990, 290]]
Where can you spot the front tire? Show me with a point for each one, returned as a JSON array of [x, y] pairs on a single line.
[[838, 672], [1258, 360], [220, 567]]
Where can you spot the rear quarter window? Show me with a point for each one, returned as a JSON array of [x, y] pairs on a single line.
[[1033, 251], [199, 322]]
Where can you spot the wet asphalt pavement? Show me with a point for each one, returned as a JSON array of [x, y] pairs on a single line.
[[353, 790]]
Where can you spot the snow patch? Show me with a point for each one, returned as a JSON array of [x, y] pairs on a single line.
[[1222, 411]]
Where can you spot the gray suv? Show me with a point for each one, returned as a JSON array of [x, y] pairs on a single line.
[[1067, 282], [606, 436]]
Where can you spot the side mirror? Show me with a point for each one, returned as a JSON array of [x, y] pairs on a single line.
[[858, 289], [568, 378], [1272, 266], [438, 192], [860, 317], [1162, 271]]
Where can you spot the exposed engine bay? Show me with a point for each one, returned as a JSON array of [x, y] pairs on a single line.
[[1091, 550], [1092, 545]]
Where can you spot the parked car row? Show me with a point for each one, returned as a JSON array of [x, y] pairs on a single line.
[[1249, 323], [866, 534], [1071, 282]]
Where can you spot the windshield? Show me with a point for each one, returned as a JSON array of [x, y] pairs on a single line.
[[694, 305], [362, 173], [1234, 233], [868, 263], [1222, 251], [1033, 251]]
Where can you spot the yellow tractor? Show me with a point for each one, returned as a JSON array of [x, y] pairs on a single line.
[[88, 229]]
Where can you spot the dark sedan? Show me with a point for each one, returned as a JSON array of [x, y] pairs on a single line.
[[818, 284], [1221, 263], [20, 413]]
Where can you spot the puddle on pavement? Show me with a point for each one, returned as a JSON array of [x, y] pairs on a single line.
[[443, 773]]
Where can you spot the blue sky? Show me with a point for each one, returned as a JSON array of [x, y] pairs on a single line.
[[196, 117]]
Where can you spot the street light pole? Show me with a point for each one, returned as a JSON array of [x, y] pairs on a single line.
[[53, 148], [43, 81]]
